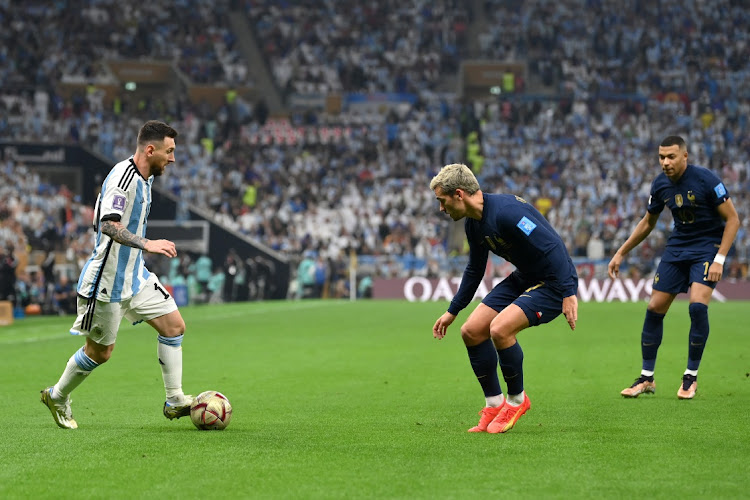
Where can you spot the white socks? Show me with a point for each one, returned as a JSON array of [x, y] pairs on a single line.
[[78, 368], [494, 401], [513, 399], [169, 350], [516, 399]]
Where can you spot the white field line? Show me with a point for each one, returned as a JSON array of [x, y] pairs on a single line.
[[49, 334]]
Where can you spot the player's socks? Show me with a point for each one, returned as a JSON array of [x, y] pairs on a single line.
[[483, 359], [511, 364], [78, 368], [653, 330], [494, 401], [169, 350], [515, 399], [698, 334]]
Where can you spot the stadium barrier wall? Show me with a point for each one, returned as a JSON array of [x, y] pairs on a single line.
[[420, 289]]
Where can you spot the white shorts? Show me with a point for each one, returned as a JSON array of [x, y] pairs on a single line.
[[100, 321]]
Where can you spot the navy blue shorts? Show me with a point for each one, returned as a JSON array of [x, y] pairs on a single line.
[[539, 302], [676, 277]]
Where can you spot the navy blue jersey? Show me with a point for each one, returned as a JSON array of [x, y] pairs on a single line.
[[516, 231], [693, 199]]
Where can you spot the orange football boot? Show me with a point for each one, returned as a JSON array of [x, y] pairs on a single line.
[[688, 387], [508, 417], [486, 415], [641, 385]]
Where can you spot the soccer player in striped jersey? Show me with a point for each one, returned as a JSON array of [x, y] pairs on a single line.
[[115, 283], [543, 285], [705, 225]]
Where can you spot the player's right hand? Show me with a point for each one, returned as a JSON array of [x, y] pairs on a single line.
[[570, 310], [442, 324], [614, 266], [163, 247]]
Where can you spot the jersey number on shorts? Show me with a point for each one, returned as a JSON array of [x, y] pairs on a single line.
[[160, 289]]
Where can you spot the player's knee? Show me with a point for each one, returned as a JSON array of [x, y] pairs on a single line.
[[98, 353], [698, 311], [660, 303], [502, 337], [471, 335], [103, 357], [176, 328]]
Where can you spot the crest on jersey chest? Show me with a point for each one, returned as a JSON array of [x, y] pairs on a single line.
[[496, 241], [490, 243], [678, 200]]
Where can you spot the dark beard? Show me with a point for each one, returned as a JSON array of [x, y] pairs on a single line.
[[156, 171]]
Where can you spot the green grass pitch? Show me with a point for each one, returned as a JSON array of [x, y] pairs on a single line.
[[357, 400]]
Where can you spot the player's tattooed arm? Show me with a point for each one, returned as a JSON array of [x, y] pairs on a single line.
[[120, 234]]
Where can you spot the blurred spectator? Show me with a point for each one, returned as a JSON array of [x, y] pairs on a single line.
[[595, 248], [364, 288], [234, 273], [306, 276], [215, 286], [321, 275], [8, 265], [203, 270], [65, 296]]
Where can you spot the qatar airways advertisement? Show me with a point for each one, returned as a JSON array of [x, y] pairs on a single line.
[[420, 289]]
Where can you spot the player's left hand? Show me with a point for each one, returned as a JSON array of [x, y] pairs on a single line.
[[715, 271], [570, 310], [442, 324], [613, 268], [164, 247]]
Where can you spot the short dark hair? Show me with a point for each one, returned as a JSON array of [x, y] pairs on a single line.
[[154, 130], [673, 140]]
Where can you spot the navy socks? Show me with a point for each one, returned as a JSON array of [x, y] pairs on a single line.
[[483, 358], [698, 334], [511, 364], [653, 330]]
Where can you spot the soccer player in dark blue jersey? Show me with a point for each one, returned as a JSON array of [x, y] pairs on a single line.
[[705, 225], [543, 285]]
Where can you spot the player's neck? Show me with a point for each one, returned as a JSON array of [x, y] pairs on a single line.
[[678, 175], [141, 164], [475, 205]]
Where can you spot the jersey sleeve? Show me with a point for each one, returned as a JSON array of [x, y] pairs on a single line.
[[112, 204], [655, 202], [564, 271], [473, 275], [719, 193]]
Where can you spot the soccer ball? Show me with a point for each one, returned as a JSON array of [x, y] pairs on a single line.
[[211, 411]]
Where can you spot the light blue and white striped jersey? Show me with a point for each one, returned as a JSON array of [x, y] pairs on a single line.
[[116, 272]]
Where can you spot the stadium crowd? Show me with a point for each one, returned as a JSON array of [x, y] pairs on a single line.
[[45, 43], [607, 46], [384, 46], [321, 185]]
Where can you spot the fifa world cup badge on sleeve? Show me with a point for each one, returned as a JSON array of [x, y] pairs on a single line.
[[526, 225], [118, 202]]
